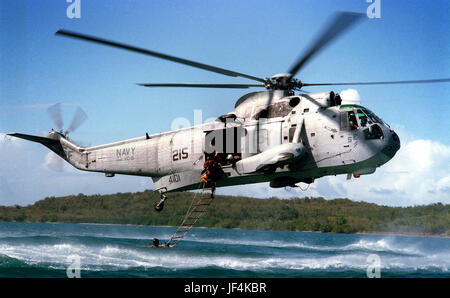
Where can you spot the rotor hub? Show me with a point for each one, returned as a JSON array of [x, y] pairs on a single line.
[[282, 82]]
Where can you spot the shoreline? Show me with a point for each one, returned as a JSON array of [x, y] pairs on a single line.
[[402, 234], [340, 216]]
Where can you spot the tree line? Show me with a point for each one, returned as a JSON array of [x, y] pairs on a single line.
[[297, 214]]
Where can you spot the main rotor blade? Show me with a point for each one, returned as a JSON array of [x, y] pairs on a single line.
[[235, 86], [78, 118], [382, 83], [156, 54], [341, 22], [55, 113]]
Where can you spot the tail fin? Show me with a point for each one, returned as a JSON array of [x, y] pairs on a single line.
[[52, 144], [58, 143]]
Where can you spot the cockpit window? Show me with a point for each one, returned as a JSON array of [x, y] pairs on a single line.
[[366, 117], [348, 120], [373, 132], [353, 123]]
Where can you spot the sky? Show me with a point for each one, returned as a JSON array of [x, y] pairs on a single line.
[[410, 41]]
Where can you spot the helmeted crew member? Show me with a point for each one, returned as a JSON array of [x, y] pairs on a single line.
[[352, 120], [156, 243], [212, 171]]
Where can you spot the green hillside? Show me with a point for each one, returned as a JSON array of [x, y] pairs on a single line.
[[305, 214]]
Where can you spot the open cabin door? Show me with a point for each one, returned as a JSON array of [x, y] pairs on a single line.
[[225, 141]]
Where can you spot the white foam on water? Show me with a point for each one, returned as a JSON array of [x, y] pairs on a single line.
[[101, 257], [306, 253], [381, 245]]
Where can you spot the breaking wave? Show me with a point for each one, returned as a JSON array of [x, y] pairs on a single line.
[[108, 251]]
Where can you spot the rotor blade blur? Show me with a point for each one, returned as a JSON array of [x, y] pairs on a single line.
[[341, 22], [78, 118], [382, 83], [156, 54], [235, 86], [55, 113]]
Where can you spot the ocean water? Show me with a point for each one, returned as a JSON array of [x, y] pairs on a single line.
[[51, 250]]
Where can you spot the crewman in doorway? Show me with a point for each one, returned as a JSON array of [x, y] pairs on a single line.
[[212, 171]]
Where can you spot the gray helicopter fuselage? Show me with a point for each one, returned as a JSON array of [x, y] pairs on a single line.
[[272, 136]]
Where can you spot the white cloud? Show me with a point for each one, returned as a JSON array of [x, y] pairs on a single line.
[[350, 96], [10, 142], [53, 162], [419, 174]]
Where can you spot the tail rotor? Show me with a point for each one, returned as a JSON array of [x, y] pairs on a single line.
[[79, 117], [52, 160]]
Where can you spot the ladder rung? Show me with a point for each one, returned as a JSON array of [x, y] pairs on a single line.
[[197, 209], [182, 231], [188, 224]]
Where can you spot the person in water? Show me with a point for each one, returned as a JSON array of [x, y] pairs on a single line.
[[156, 243]]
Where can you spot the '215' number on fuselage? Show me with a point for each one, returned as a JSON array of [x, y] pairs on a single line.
[[179, 154]]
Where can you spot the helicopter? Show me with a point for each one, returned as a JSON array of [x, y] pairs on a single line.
[[277, 135]]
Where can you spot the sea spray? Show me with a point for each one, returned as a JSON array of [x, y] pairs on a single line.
[[42, 250]]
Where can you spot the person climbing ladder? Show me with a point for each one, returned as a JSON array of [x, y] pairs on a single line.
[[212, 171]]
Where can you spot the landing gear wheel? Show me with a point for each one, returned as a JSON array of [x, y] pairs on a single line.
[[160, 205]]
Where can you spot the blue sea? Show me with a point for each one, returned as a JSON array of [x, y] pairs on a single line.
[[91, 250]]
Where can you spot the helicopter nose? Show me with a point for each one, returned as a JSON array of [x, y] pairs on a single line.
[[392, 144]]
